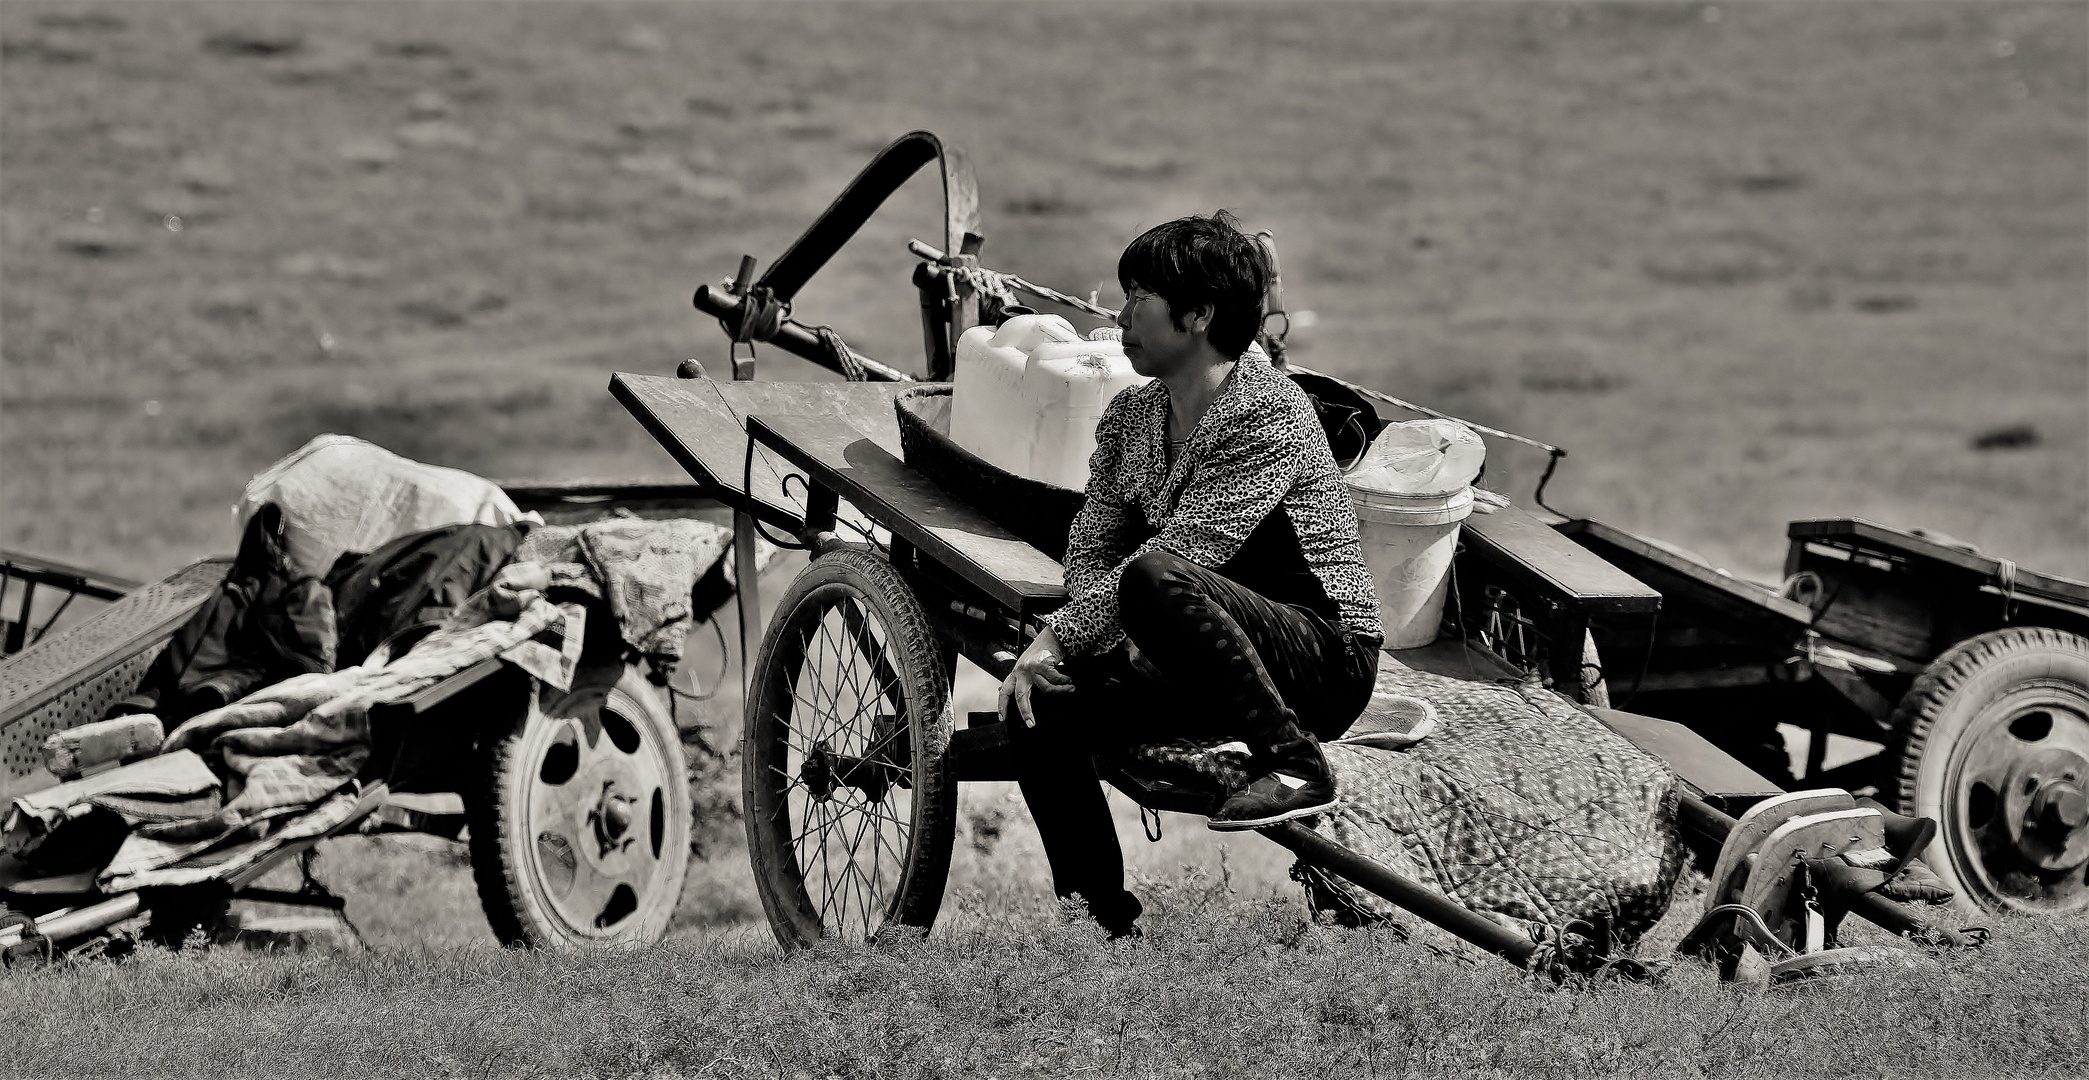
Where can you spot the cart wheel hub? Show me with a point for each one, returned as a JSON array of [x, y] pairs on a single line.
[[611, 819], [2059, 807], [818, 771], [2046, 806], [825, 772]]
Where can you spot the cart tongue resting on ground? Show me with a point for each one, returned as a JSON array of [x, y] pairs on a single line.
[[851, 754]]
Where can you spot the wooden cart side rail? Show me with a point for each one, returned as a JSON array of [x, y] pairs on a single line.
[[1872, 537], [584, 499], [1019, 577], [1536, 556], [1563, 588], [1909, 599], [1658, 566], [701, 424]]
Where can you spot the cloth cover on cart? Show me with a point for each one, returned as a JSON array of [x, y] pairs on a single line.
[[415, 580], [293, 750], [643, 570], [1519, 805]]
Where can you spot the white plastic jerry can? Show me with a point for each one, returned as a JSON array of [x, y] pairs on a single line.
[[1067, 385], [1028, 395], [988, 413]]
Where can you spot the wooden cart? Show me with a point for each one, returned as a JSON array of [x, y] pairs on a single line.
[[542, 777], [851, 752]]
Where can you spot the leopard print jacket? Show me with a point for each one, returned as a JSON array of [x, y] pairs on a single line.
[[1258, 449]]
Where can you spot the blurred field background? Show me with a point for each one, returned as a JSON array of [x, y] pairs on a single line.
[[1749, 262]]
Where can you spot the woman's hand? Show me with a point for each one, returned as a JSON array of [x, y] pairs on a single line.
[[1038, 667]]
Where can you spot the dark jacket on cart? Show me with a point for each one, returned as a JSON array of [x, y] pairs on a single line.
[[267, 622], [414, 581]]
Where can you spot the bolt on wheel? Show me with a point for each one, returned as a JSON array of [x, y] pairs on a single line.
[[850, 811]]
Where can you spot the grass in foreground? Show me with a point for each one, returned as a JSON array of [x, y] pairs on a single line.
[[1220, 987]]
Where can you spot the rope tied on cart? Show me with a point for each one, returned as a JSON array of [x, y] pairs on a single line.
[[761, 314], [844, 359], [1003, 286], [987, 284], [758, 316]]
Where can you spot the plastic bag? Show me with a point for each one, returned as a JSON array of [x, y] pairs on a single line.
[[339, 493], [1421, 457]]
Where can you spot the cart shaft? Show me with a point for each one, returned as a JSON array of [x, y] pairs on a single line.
[[1468, 925]]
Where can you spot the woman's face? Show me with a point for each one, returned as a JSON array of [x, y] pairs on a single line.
[[1151, 340]]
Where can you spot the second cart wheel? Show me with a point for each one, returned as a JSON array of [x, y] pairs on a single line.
[[1993, 742], [850, 809], [580, 825]]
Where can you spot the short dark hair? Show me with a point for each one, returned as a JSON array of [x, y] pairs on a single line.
[[1194, 261]]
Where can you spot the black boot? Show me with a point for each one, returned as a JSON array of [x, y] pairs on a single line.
[[1917, 882], [1296, 783], [1906, 837]]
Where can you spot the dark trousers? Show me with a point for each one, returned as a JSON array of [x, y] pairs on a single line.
[[1207, 656]]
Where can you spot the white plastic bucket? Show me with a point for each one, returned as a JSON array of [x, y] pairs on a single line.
[[1408, 541]]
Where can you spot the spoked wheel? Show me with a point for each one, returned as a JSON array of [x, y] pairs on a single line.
[[850, 809], [580, 831], [1994, 744]]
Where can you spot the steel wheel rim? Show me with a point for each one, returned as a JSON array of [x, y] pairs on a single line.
[[596, 817], [2027, 743], [848, 780]]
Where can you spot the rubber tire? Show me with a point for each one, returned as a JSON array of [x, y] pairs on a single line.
[[915, 653], [503, 856], [1945, 699]]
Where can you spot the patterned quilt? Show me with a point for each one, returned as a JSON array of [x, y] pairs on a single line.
[[1519, 805]]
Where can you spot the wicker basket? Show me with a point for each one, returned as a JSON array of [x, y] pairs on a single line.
[[1036, 512]]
